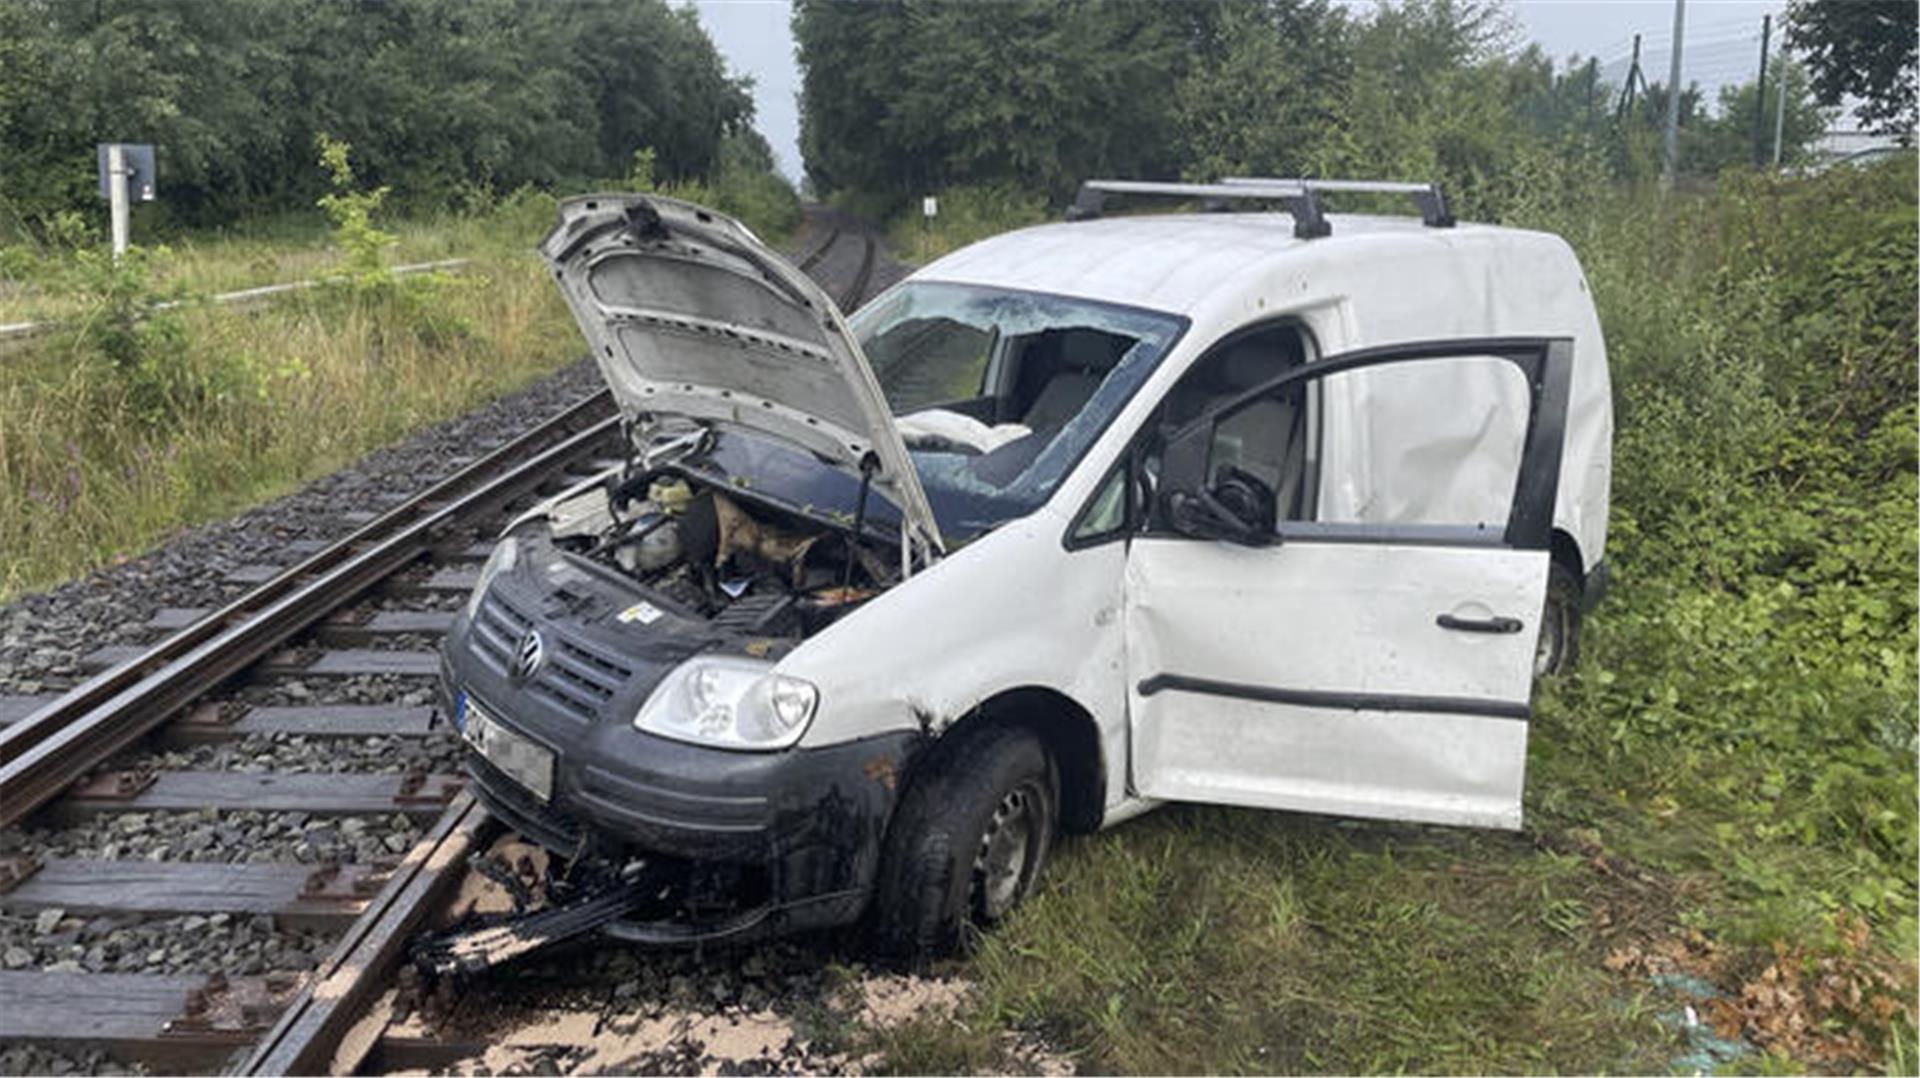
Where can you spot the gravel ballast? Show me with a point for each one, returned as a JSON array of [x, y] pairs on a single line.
[[230, 837], [59, 942]]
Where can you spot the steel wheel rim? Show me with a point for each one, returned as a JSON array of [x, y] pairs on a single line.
[[1000, 867]]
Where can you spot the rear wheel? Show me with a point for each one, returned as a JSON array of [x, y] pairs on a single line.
[[968, 842], [1559, 644]]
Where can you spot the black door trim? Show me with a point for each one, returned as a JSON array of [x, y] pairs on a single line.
[[1344, 701]]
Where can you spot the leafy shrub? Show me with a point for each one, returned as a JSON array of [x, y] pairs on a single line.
[[351, 212], [1749, 686], [415, 303]]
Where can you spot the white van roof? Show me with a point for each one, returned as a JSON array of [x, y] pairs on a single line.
[[1175, 262]]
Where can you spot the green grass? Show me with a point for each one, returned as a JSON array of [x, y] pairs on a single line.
[[117, 431], [288, 247], [1208, 940], [113, 438]]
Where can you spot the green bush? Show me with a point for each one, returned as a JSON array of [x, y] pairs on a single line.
[[967, 214], [1747, 705]]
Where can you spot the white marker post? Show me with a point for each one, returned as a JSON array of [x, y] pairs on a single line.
[[929, 209], [117, 196]]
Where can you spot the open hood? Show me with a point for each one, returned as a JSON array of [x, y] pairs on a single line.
[[690, 315]]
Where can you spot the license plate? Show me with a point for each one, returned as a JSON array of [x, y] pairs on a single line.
[[517, 756]]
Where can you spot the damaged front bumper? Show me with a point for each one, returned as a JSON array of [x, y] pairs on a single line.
[[764, 842]]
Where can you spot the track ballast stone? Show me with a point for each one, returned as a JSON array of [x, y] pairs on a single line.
[[230, 837], [59, 942]]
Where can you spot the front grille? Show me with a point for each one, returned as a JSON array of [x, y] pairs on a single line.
[[577, 678]]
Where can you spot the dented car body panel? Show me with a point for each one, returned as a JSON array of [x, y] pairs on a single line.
[[1423, 412]]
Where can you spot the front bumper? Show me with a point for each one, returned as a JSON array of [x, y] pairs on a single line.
[[785, 840]]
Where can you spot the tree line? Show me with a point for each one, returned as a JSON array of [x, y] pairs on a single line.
[[446, 101], [1036, 95]]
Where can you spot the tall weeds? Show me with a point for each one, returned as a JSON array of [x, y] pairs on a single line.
[[135, 422]]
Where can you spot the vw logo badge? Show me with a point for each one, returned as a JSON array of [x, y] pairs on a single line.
[[528, 656]]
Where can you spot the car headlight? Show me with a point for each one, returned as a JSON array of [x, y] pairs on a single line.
[[729, 702], [502, 560]]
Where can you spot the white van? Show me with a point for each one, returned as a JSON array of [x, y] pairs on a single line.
[[1274, 509]]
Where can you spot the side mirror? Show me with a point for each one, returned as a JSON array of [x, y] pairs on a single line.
[[1237, 507]]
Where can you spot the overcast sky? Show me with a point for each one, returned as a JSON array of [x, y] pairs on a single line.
[[1722, 45]]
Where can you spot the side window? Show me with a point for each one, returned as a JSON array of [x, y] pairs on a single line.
[[1396, 442], [1106, 514], [1428, 442], [1268, 442]]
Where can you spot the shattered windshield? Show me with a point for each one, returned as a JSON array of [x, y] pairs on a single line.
[[998, 393]]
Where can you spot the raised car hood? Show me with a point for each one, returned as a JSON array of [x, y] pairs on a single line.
[[690, 315]]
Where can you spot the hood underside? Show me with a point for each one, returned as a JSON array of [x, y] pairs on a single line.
[[690, 316]]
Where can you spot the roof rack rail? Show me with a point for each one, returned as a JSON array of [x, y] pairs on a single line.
[[1308, 220], [1299, 196], [1432, 201]]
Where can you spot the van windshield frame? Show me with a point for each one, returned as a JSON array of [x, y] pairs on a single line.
[[976, 335]]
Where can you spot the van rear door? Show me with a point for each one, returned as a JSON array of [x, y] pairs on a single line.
[[1374, 655]]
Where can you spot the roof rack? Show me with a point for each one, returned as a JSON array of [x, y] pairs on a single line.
[[1299, 196], [1432, 201]]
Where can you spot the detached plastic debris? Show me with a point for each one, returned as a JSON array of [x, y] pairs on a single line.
[[1706, 1051]]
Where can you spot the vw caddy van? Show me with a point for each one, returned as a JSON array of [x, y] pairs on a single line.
[[1256, 505]]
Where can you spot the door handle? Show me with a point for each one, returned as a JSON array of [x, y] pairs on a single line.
[[1497, 624]]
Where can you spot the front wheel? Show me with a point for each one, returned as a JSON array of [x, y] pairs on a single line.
[[1559, 644], [968, 842]]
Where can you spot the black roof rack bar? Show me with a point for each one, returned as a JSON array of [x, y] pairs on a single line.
[[1309, 222], [1429, 197]]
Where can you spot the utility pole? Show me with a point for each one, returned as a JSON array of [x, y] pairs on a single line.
[[1673, 95], [1779, 115], [1593, 87], [1633, 72], [1760, 95], [117, 196]]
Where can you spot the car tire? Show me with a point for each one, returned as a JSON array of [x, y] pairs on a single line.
[[968, 842], [1558, 647]]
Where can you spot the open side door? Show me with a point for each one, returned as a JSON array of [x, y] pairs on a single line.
[[1373, 657]]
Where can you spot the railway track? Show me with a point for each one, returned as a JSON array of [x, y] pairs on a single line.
[[84, 778], [854, 292]]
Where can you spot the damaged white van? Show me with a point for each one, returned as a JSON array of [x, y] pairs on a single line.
[[1270, 508]]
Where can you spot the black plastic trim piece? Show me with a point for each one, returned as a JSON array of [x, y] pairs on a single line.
[[1597, 583], [1342, 701], [1434, 211], [1309, 221], [1499, 624]]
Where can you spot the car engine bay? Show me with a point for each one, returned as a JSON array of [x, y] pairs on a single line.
[[721, 553]]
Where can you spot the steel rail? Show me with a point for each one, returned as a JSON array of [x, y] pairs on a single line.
[[813, 257], [51, 748], [856, 290]]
